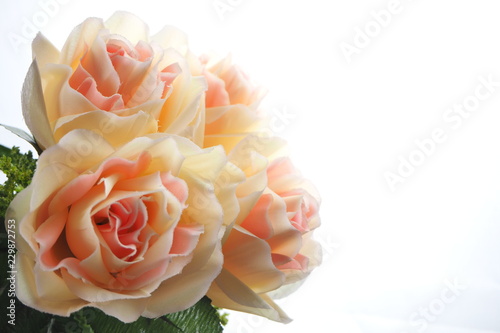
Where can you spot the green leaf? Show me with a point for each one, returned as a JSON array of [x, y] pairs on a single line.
[[4, 150], [19, 169], [223, 316], [202, 317]]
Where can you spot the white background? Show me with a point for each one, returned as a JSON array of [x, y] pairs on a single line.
[[390, 256]]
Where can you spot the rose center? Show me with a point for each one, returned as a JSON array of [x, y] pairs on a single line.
[[121, 224]]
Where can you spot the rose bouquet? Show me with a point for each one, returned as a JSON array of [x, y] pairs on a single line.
[[158, 198]]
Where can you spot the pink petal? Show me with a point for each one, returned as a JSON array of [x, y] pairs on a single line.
[[257, 221], [216, 94], [176, 186], [86, 85], [185, 239], [300, 262], [97, 63]]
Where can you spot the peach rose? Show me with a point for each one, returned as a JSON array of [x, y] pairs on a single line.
[[228, 84], [134, 231], [231, 101], [113, 78], [269, 252]]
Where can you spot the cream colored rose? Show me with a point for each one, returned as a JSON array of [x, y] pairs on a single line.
[[134, 231], [231, 101], [269, 251], [115, 79]]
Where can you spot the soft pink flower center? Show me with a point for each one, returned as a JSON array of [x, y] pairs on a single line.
[[117, 76], [121, 225], [285, 241], [301, 208]]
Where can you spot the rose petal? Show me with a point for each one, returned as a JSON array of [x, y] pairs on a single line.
[[117, 129], [57, 298], [78, 41], [258, 272], [98, 64], [34, 107], [60, 98], [229, 125], [127, 24], [44, 51], [216, 91], [182, 108], [16, 212], [128, 310], [183, 291], [88, 88], [47, 236], [171, 37], [230, 293], [236, 83]]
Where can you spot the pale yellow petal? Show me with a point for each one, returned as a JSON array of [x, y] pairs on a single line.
[[157, 145], [206, 165], [171, 37], [228, 125], [61, 302], [50, 286], [79, 150], [34, 108], [117, 130], [79, 40], [225, 189], [60, 98], [44, 51], [269, 146], [230, 293], [184, 290], [126, 310], [75, 153], [128, 25], [16, 212], [249, 258], [181, 108], [152, 108]]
